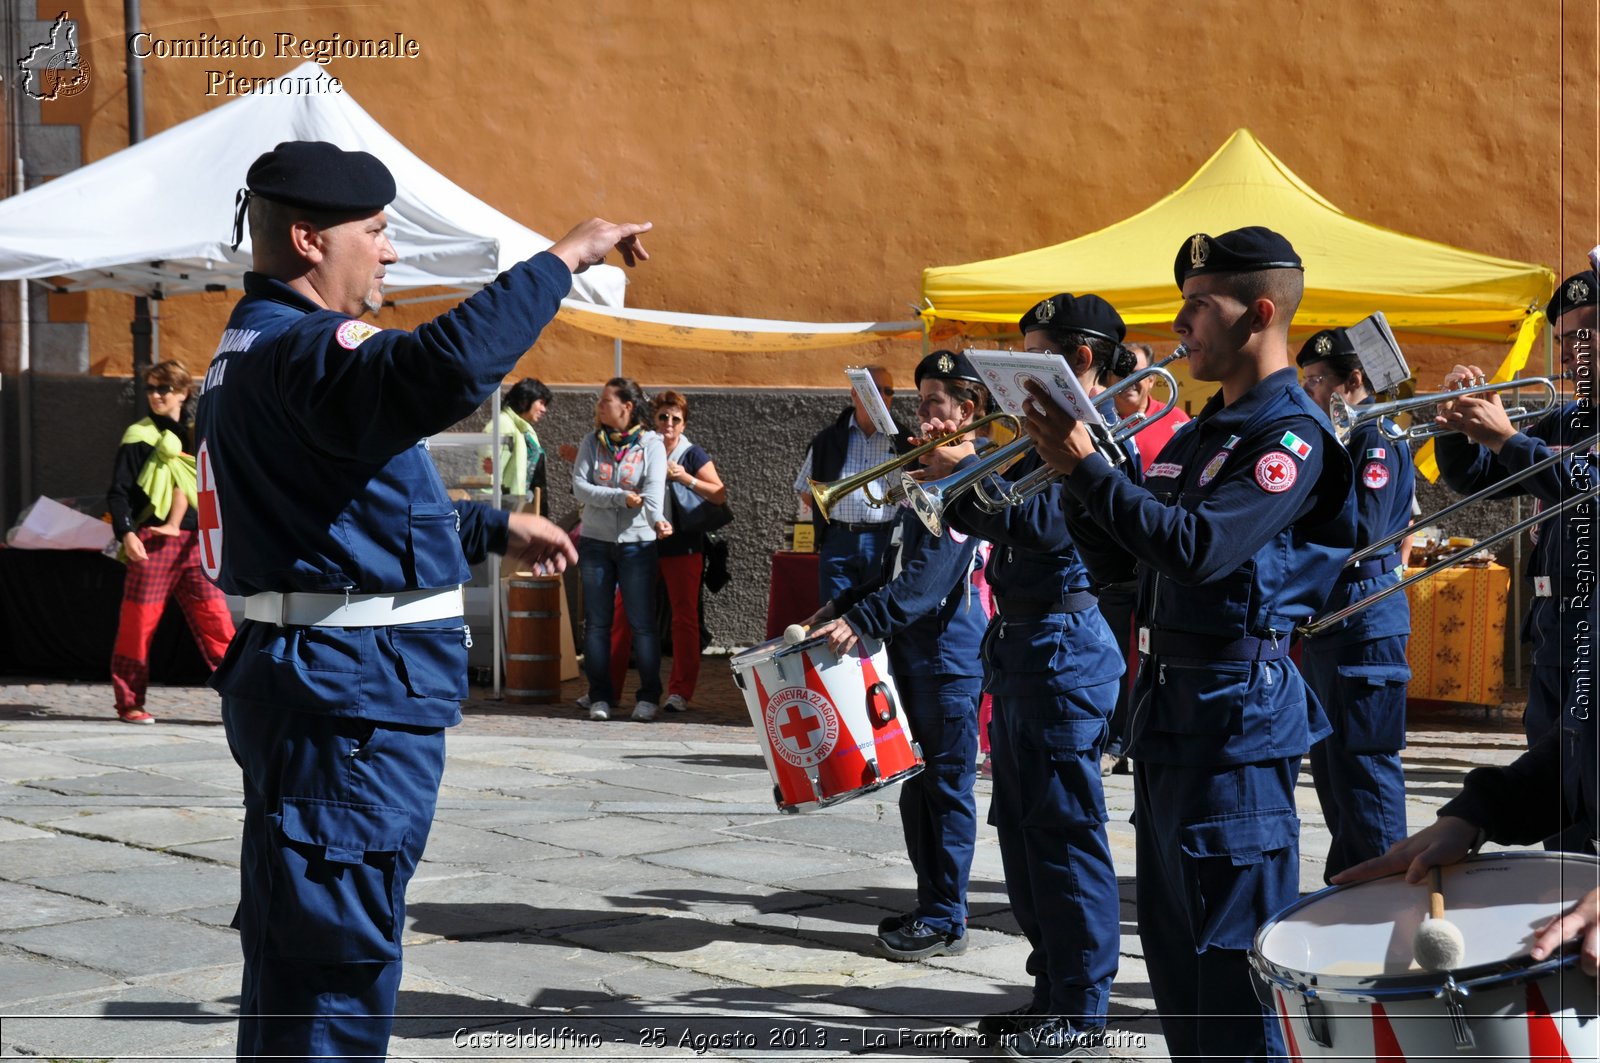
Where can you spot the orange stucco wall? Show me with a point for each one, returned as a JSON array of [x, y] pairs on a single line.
[[806, 161]]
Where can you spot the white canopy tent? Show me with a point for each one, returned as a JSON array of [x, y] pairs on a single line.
[[156, 218]]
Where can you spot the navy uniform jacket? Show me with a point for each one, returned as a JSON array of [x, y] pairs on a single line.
[[1468, 468], [922, 605], [311, 424], [1385, 481], [1035, 561], [1243, 524]]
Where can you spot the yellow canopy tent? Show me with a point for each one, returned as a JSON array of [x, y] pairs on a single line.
[[1428, 291]]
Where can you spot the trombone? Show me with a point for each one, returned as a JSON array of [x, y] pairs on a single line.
[[929, 498], [827, 495], [1346, 418], [1589, 494]]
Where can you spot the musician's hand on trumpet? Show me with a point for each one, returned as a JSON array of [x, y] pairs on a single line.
[[942, 461], [1482, 418], [1061, 440]]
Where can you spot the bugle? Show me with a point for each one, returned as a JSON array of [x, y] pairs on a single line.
[[827, 495], [1382, 545], [1347, 418]]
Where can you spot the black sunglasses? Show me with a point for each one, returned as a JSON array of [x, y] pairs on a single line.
[[159, 389], [669, 418]]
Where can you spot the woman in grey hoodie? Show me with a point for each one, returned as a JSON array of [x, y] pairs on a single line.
[[620, 481]]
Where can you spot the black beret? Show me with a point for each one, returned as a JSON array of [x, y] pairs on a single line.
[[319, 176], [1246, 250], [946, 365], [1061, 315], [1329, 343], [1577, 291]]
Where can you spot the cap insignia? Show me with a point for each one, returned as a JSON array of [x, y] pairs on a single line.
[[1199, 250]]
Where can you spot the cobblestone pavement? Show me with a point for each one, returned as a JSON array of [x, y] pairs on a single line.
[[613, 890]]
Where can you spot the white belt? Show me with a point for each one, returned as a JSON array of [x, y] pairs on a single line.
[[305, 609]]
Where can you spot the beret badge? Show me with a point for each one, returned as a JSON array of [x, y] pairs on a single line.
[[1044, 311], [1199, 250], [1324, 345], [1577, 291], [946, 363]]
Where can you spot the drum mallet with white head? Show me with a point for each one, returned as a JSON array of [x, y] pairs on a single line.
[[1438, 944], [794, 634]]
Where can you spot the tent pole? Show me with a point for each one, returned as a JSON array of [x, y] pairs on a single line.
[[616, 356], [131, 22]]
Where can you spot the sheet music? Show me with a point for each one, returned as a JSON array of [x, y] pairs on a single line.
[[1381, 358], [1005, 372], [872, 399]]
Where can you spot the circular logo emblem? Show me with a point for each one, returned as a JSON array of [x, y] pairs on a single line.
[[1213, 467], [802, 727], [352, 334], [210, 513], [1276, 472], [1375, 474]]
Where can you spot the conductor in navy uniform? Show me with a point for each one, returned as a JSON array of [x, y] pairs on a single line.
[[319, 504]]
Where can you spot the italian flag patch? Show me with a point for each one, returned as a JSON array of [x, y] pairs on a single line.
[[1295, 445], [1376, 452]]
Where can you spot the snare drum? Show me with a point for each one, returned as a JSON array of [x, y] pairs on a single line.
[[1340, 974], [830, 728]]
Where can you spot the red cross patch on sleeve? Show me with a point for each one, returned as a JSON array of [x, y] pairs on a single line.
[[1276, 471], [1374, 474]]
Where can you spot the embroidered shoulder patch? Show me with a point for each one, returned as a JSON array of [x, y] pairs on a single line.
[[1297, 446], [1377, 452], [1375, 475], [1276, 472], [353, 333], [1164, 468], [1213, 467]]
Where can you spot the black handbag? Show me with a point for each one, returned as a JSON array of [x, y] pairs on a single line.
[[693, 515]]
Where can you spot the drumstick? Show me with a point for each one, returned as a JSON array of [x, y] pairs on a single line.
[[795, 634], [1438, 944]]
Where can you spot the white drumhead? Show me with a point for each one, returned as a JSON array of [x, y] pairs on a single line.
[[1366, 930]]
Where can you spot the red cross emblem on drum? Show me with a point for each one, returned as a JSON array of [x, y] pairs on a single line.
[[209, 515], [1276, 472], [1374, 475], [802, 727]]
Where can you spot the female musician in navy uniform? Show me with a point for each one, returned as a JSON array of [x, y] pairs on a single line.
[[318, 502], [1358, 668], [924, 606], [1053, 669], [1469, 467], [1241, 529]]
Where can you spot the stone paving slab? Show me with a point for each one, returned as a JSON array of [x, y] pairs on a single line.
[[152, 891], [127, 1021], [26, 980], [611, 836], [131, 945], [153, 828], [25, 906], [30, 858]]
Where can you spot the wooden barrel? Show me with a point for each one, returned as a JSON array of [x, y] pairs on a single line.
[[533, 640]]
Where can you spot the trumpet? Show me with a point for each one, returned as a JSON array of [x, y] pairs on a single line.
[[1346, 418], [929, 498], [827, 495]]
